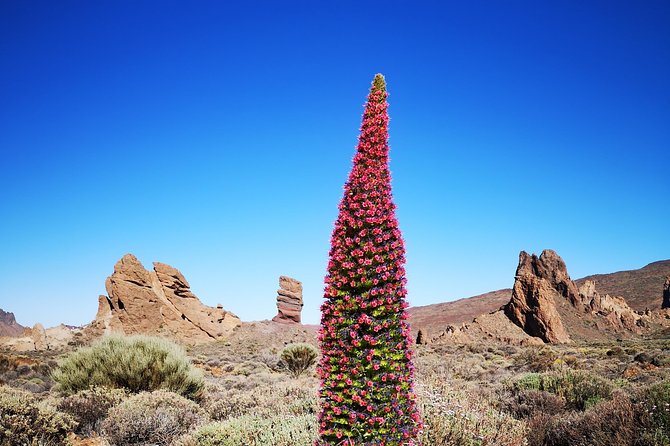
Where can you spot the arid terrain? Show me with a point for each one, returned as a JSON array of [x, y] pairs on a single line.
[[549, 362]]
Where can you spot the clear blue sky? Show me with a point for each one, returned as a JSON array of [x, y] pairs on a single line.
[[216, 137]]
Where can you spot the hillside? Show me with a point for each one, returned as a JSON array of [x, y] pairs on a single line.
[[433, 318], [8, 325], [642, 288]]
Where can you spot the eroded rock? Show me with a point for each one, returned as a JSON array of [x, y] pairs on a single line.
[[540, 280], [158, 302], [289, 300]]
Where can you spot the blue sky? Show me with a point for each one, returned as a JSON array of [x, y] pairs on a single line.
[[216, 137]]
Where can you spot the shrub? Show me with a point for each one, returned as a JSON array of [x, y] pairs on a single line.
[[537, 359], [24, 422], [529, 403], [654, 414], [283, 430], [366, 369], [298, 358], [580, 389], [455, 418], [156, 418], [137, 363], [90, 407], [609, 423], [295, 397]]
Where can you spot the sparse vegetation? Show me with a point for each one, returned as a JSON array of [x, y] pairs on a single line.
[[137, 363], [474, 395]]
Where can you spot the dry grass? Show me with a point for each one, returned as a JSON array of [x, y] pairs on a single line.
[[583, 394]]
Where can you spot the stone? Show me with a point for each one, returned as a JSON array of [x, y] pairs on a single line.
[[39, 336], [666, 293], [420, 340], [538, 282], [615, 309], [158, 302], [289, 301]]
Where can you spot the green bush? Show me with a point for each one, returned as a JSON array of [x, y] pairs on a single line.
[[137, 363], [157, 418], [90, 407], [580, 389], [298, 358], [24, 423], [284, 430]]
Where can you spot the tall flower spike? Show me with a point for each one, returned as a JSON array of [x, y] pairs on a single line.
[[366, 369]]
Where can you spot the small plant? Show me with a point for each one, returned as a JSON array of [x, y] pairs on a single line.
[[282, 430], [24, 422], [90, 407], [157, 418], [137, 363], [298, 358]]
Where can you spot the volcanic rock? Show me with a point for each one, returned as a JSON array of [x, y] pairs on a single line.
[[538, 282], [39, 336], [8, 325], [666, 293], [289, 300], [158, 302], [615, 309]]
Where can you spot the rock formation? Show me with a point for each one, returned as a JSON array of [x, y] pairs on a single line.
[[538, 282], [615, 309], [289, 300], [666, 293], [39, 336], [158, 302], [8, 325]]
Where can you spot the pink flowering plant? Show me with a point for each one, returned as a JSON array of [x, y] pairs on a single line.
[[366, 369]]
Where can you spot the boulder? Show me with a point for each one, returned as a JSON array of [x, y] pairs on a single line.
[[538, 282], [39, 336], [289, 300], [158, 302]]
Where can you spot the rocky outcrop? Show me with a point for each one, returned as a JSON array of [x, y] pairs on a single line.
[[158, 302], [289, 300], [40, 339], [614, 309], [39, 336], [8, 325], [666, 293], [540, 280]]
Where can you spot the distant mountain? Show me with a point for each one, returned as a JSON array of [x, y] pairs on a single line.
[[641, 288], [8, 325]]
